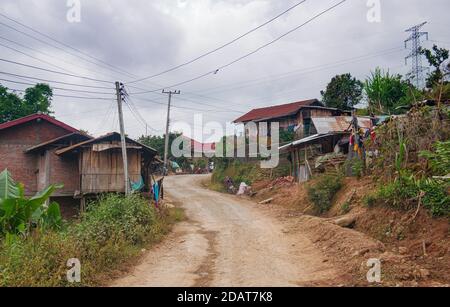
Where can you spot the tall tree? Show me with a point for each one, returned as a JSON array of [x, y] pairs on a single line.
[[436, 56], [343, 92], [36, 99], [386, 92], [158, 143], [10, 105]]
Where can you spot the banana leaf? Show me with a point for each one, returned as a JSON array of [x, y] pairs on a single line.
[[8, 187], [40, 198]]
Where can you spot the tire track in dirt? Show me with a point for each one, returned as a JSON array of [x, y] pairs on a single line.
[[226, 242]]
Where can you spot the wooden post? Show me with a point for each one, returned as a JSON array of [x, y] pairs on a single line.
[[82, 204]]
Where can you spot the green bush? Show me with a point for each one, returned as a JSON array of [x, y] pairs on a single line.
[[405, 191], [436, 198], [370, 200], [322, 192], [113, 230], [353, 167], [238, 171], [39, 260], [400, 193], [131, 217], [439, 160]]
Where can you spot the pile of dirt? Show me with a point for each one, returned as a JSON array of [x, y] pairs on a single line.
[[425, 241], [352, 193], [352, 250], [381, 233]]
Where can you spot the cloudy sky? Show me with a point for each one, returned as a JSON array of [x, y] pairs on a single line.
[[128, 40]]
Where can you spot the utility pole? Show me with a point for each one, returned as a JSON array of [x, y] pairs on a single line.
[[166, 148], [416, 55], [119, 92]]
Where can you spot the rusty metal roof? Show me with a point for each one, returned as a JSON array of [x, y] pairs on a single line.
[[326, 125], [276, 111], [75, 135], [313, 139], [107, 137]]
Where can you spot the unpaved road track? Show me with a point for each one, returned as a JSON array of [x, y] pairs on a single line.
[[228, 242]]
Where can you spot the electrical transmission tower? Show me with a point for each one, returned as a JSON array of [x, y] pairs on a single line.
[[416, 55]]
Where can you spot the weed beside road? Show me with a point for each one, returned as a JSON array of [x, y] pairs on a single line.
[[113, 231]]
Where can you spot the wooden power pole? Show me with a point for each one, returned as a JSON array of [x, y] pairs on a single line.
[[166, 147], [123, 139]]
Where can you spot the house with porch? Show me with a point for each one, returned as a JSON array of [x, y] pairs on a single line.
[[39, 150], [296, 116], [329, 144]]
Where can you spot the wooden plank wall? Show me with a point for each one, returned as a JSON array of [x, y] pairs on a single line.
[[102, 171]]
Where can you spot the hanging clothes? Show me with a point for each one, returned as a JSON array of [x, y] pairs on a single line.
[[373, 136], [156, 194]]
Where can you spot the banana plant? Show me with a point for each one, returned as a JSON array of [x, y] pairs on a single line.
[[18, 214]]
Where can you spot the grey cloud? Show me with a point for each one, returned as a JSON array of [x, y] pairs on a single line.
[[145, 37]]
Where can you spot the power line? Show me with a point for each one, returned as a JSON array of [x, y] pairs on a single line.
[[105, 119], [53, 81], [439, 42], [177, 107], [189, 100], [66, 96], [301, 71], [114, 122], [296, 72], [222, 46], [33, 57], [225, 109], [132, 107], [50, 56], [111, 67], [55, 72], [215, 71], [136, 113], [285, 34], [56, 88]]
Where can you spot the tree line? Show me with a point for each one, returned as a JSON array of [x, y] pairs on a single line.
[[386, 93]]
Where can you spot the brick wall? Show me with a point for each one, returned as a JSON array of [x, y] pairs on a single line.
[[65, 170], [15, 140], [70, 207]]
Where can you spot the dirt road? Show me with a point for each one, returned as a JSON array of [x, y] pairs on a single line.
[[227, 241]]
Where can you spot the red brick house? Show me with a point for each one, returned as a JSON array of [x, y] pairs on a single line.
[[23, 151], [39, 150], [19, 137]]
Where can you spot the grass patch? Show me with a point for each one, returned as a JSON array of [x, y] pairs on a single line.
[[248, 172], [405, 192], [345, 208], [322, 192], [238, 171], [369, 200], [110, 233]]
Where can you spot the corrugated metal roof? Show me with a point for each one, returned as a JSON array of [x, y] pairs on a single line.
[[109, 136], [325, 125], [62, 138], [309, 139], [275, 111]]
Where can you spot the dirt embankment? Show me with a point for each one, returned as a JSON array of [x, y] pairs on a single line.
[[414, 250]]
